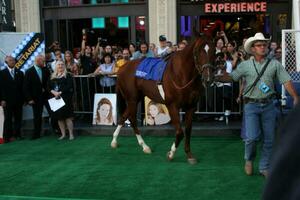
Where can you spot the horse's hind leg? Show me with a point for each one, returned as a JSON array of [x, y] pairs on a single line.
[[174, 113], [132, 117], [114, 143], [188, 130]]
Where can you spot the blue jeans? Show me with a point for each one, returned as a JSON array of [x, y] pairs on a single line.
[[260, 121]]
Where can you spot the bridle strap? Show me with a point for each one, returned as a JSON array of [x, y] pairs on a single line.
[[200, 68], [186, 85]]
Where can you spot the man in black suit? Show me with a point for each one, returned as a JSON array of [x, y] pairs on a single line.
[[12, 99], [35, 90]]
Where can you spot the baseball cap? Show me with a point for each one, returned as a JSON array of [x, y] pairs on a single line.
[[162, 38]]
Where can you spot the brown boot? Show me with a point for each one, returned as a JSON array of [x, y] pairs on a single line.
[[248, 168]]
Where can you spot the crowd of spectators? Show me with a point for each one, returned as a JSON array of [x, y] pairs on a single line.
[[104, 62]]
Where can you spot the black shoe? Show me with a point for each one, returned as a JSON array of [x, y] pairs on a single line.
[[35, 137]]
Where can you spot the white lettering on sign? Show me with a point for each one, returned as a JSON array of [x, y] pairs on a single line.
[[235, 7], [4, 20], [3, 12]]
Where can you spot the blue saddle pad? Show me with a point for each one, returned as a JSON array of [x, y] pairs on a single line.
[[151, 69]]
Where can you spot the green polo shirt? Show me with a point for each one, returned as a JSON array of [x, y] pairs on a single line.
[[274, 71]]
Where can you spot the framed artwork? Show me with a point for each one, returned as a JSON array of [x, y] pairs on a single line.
[[105, 109], [156, 113]]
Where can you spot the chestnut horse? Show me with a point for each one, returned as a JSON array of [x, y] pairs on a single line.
[[187, 73]]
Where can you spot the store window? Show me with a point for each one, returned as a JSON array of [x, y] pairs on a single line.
[[85, 2], [236, 27], [282, 23]]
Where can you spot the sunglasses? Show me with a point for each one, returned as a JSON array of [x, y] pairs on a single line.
[[278, 52]]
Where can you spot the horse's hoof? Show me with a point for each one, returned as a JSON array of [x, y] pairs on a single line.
[[169, 157], [192, 161], [114, 145], [147, 150]]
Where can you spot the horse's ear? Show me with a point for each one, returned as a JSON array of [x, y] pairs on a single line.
[[196, 33]]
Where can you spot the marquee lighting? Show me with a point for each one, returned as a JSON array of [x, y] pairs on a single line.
[[235, 7]]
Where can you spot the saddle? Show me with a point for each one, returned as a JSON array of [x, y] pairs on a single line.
[[151, 69]]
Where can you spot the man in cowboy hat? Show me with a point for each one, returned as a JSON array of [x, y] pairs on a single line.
[[259, 110]]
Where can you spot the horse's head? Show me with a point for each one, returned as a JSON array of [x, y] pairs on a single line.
[[204, 57]]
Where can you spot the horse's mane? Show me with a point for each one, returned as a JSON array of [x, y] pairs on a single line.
[[198, 41]]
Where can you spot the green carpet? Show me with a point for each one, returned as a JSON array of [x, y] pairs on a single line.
[[87, 168]]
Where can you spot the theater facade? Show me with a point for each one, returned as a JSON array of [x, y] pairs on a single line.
[[238, 19], [125, 21]]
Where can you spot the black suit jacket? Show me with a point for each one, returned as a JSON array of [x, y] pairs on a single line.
[[33, 88], [12, 88]]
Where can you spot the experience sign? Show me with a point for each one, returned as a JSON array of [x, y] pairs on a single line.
[[235, 7]]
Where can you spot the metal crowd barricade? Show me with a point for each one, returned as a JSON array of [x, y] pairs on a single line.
[[86, 86], [211, 101]]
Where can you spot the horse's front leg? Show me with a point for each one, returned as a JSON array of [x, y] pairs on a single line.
[[175, 119], [188, 130]]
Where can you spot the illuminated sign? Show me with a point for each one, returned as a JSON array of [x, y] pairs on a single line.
[[32, 45], [98, 22], [123, 22], [235, 7]]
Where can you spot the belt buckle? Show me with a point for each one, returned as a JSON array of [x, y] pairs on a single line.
[[264, 101]]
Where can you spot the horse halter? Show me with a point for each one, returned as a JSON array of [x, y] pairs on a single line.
[[200, 68]]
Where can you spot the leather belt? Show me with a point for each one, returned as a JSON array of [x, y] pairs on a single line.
[[264, 100]]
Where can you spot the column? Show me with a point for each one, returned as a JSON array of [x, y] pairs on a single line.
[[162, 20], [27, 16]]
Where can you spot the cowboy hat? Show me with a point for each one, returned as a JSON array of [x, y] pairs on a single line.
[[249, 42]]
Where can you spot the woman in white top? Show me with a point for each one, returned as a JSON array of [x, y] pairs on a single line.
[[223, 90]]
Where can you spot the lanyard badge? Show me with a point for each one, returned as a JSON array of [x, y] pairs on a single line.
[[264, 88]]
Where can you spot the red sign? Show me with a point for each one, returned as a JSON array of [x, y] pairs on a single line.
[[236, 7]]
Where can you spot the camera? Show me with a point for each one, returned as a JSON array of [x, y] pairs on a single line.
[[101, 40], [220, 63], [241, 54], [220, 33]]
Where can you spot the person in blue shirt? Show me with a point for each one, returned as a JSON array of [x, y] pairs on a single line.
[[143, 51]]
